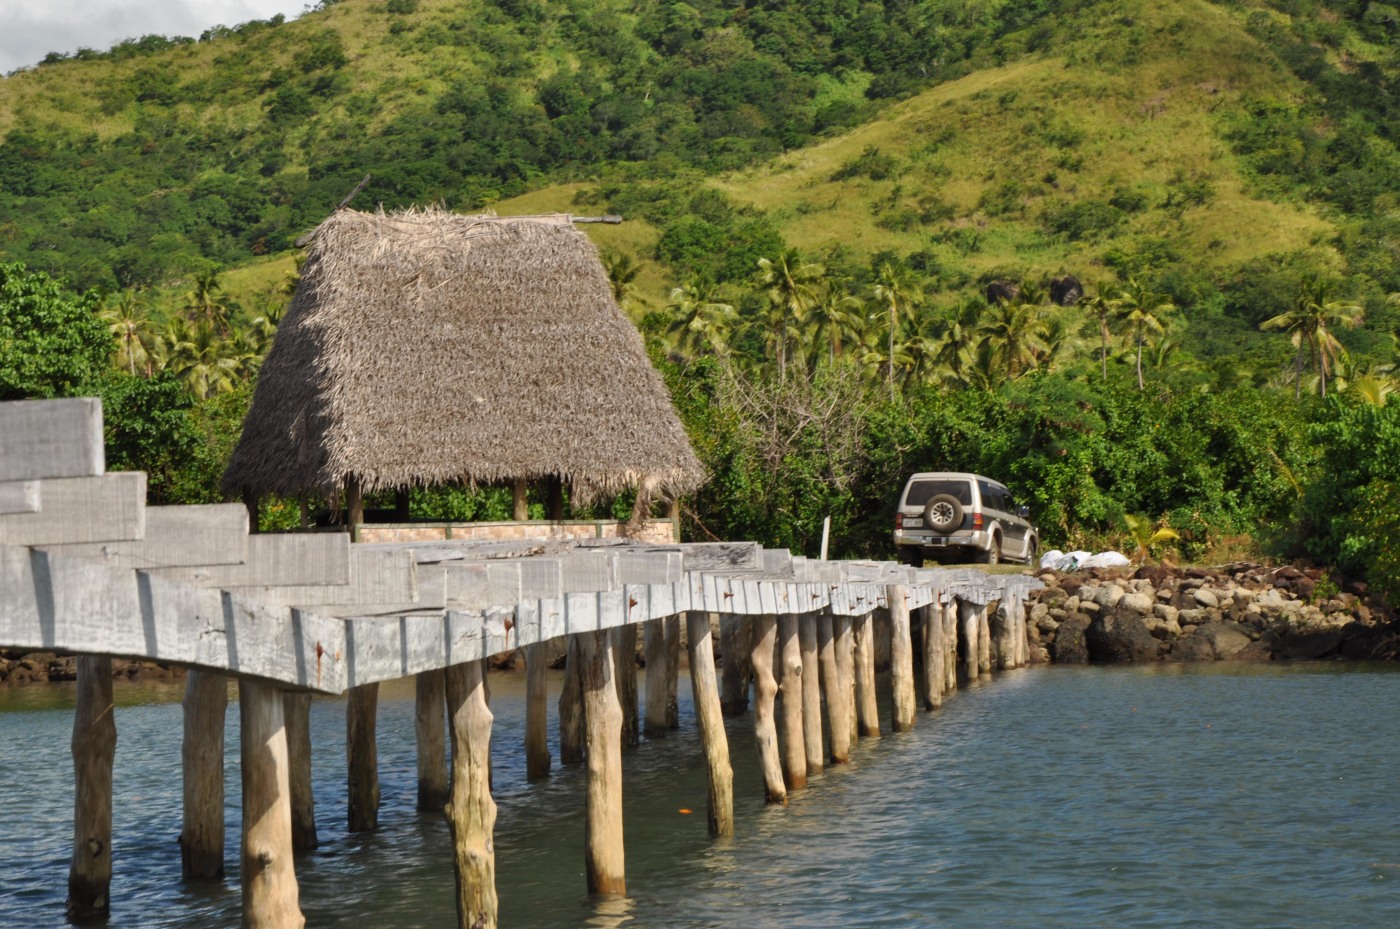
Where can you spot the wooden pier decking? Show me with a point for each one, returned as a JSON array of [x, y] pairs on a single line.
[[87, 568]]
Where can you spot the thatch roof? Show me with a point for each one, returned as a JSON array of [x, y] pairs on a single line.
[[425, 347]]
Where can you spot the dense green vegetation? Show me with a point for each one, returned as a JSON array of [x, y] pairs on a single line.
[[850, 231]]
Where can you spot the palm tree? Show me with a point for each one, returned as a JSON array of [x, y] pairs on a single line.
[[702, 321], [1311, 321], [957, 338], [836, 319], [1145, 534], [198, 356], [791, 288], [1102, 308], [1015, 334], [1142, 310], [205, 304], [135, 334], [622, 277], [897, 289]]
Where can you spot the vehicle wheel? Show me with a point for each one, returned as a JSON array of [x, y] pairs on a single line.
[[993, 554], [1032, 550], [911, 556], [943, 513]]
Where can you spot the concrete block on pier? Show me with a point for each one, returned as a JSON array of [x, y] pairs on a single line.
[[583, 572], [722, 556], [51, 438], [19, 497], [377, 578], [776, 561], [659, 567], [106, 508], [215, 534], [278, 560]]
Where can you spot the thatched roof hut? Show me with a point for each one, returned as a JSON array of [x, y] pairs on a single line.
[[425, 347]]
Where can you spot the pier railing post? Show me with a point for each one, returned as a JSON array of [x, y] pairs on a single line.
[[202, 763], [571, 707], [705, 690], [362, 757], [471, 812], [267, 873], [867, 709], [765, 689], [837, 691], [537, 760], [793, 740], [811, 694], [604, 857], [94, 746], [430, 729], [901, 659]]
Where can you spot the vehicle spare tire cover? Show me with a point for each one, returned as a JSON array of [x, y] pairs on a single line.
[[943, 513]]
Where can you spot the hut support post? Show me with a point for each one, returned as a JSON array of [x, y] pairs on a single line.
[[705, 689], [520, 501], [901, 658], [838, 707], [931, 622], [625, 674], [429, 716], [537, 760], [362, 757], [354, 505], [793, 741], [867, 709], [202, 761], [296, 717], [270, 894], [845, 647], [735, 647], [765, 689], [94, 746], [811, 694], [571, 707], [471, 813], [604, 858]]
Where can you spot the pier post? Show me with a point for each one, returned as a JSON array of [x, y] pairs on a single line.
[[537, 760], [765, 690], [949, 619], [625, 674], [931, 622], [429, 726], [362, 757], [1003, 625], [811, 694], [984, 640], [571, 707], [793, 743], [270, 894], [1022, 638], [735, 651], [296, 717], [94, 746], [705, 690], [867, 710], [901, 658], [471, 813], [969, 631], [838, 706], [202, 762], [603, 858], [654, 650], [672, 627], [846, 669]]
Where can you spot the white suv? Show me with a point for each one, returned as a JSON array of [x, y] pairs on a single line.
[[953, 516]]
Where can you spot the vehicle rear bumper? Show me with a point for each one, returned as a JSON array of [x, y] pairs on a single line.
[[932, 541]]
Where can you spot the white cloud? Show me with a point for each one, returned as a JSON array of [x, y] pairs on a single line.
[[30, 29]]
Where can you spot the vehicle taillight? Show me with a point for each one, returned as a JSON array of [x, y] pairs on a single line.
[[899, 520], [976, 520]]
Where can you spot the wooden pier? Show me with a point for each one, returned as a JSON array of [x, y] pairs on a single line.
[[87, 568]]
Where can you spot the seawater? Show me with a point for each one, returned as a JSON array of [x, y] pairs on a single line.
[[1212, 795]]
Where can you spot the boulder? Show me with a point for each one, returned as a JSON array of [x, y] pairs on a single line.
[[1070, 646], [1108, 595], [1117, 637], [1138, 603], [1308, 643], [1192, 648], [1206, 598], [1227, 639]]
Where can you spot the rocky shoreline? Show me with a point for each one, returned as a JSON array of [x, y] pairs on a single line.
[[18, 668], [1240, 612]]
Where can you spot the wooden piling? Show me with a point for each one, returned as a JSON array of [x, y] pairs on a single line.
[[901, 659], [867, 710], [671, 625], [571, 749], [705, 690], [604, 859], [537, 760], [792, 742], [471, 812], [429, 724], [984, 641], [838, 706], [811, 694], [950, 644], [94, 745], [625, 674], [362, 757], [296, 717], [202, 761], [969, 631], [736, 649], [654, 720], [844, 632], [765, 690], [931, 624], [270, 894]]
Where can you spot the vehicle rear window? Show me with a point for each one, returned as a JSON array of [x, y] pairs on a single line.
[[921, 492]]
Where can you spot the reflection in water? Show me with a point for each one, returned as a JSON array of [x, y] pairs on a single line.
[[1163, 796]]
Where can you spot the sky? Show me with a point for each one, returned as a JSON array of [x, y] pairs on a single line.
[[30, 29]]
